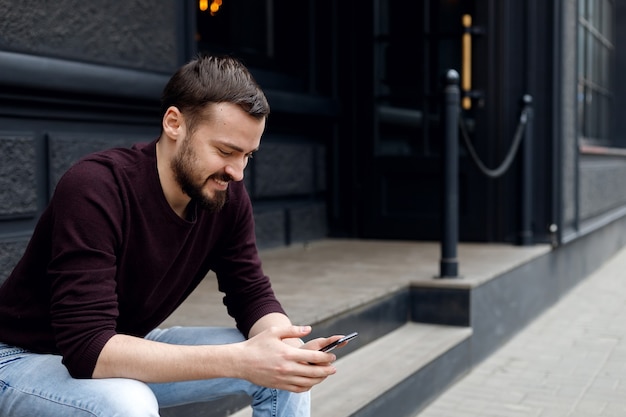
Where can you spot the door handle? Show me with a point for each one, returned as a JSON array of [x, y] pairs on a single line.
[[466, 62], [469, 31]]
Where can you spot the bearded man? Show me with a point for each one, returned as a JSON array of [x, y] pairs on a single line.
[[127, 236]]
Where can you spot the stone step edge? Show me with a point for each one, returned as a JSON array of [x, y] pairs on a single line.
[[370, 371]]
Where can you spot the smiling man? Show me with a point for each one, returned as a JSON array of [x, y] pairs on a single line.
[[127, 236]]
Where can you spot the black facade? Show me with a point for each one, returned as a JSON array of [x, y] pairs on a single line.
[[353, 146]]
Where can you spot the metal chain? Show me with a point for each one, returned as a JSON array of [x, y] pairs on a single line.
[[506, 163]]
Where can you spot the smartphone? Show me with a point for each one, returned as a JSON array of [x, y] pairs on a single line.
[[336, 343]]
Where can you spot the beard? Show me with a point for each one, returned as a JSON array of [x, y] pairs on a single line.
[[182, 166]]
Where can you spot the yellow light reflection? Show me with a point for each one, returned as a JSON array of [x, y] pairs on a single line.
[[215, 6]]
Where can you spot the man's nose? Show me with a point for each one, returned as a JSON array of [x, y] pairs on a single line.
[[235, 169]]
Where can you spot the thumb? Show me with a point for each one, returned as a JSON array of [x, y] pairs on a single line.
[[294, 331]]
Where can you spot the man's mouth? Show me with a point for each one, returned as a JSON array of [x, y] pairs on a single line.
[[221, 180]]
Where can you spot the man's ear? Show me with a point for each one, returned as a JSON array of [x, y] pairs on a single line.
[[173, 123]]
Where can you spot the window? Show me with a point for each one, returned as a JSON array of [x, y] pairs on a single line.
[[270, 36], [596, 57]]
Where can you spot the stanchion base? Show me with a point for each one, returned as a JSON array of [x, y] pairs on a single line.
[[449, 269]]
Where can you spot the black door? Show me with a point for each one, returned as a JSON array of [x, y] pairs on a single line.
[[401, 172]]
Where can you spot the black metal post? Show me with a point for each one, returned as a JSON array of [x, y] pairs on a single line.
[[449, 265], [526, 230]]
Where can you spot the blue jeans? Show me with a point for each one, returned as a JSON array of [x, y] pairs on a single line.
[[34, 384]]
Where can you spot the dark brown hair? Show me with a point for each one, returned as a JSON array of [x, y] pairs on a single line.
[[213, 79]]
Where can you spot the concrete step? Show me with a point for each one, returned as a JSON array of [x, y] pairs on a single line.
[[373, 320], [417, 334], [396, 374]]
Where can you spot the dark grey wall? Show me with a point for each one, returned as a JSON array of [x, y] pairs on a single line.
[[287, 187], [130, 33], [602, 185], [18, 169], [619, 107]]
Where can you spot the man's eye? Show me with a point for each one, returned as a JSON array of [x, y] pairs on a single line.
[[250, 156], [225, 153]]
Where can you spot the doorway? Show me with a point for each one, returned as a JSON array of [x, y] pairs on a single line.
[[401, 188]]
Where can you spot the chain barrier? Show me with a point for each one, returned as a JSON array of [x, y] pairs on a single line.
[[508, 160]]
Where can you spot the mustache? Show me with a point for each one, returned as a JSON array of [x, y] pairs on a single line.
[[222, 177]]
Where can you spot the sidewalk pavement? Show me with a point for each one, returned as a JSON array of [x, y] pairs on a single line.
[[319, 280], [570, 361]]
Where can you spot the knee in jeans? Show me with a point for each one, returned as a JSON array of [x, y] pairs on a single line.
[[282, 403], [131, 399]]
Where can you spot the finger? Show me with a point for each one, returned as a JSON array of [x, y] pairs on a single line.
[[317, 344], [295, 332], [296, 388], [303, 383], [303, 377], [315, 357]]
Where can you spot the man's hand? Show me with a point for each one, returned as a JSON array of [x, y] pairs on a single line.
[[271, 359]]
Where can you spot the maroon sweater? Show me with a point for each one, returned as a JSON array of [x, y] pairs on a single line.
[[110, 256]]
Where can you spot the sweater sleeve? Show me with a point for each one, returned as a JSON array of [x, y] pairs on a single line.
[[248, 291], [87, 212]]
